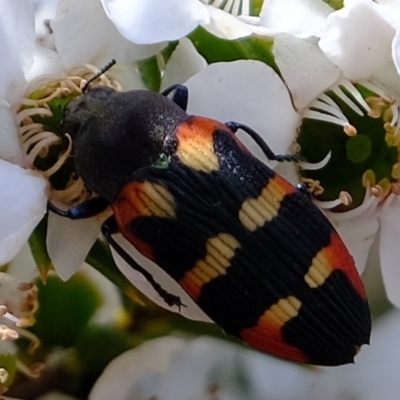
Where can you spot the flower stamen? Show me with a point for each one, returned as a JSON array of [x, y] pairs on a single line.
[[61, 160], [234, 7], [316, 166], [7, 333], [313, 186], [4, 375], [367, 159], [46, 149]]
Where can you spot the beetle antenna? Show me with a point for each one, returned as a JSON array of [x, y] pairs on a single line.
[[95, 76]]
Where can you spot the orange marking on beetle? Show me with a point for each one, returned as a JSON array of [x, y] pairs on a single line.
[[267, 334], [340, 258], [334, 256], [142, 199], [196, 143]]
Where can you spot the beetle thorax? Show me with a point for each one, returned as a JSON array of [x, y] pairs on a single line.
[[116, 133]]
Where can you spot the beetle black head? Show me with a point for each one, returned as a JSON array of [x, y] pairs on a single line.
[[115, 133]]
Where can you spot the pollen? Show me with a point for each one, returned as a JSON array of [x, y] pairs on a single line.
[[4, 375], [46, 149], [18, 304], [350, 130]]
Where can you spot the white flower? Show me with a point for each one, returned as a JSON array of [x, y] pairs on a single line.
[[173, 368], [152, 21], [23, 195], [158, 368]]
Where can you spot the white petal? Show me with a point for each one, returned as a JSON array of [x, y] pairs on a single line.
[[300, 18], [388, 10], [154, 21], [17, 42], [305, 69], [10, 149], [128, 76], [289, 171], [225, 25], [390, 252], [375, 374], [23, 266], [357, 39], [19, 13], [191, 311], [83, 34], [358, 236], [68, 242], [389, 77], [111, 307], [396, 50], [44, 10], [119, 377], [45, 62], [23, 202], [185, 62], [248, 92]]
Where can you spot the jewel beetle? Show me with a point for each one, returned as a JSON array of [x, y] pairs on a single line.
[[252, 250]]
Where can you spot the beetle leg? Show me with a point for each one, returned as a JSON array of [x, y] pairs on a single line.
[[110, 227], [180, 95], [86, 209], [235, 126]]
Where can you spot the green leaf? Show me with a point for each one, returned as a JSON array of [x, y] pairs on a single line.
[[101, 259], [166, 53], [214, 49], [255, 7], [335, 4], [65, 309], [9, 363], [57, 107], [150, 73], [98, 345], [37, 244]]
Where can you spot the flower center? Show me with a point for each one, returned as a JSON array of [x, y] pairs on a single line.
[[351, 140], [48, 150], [234, 7]]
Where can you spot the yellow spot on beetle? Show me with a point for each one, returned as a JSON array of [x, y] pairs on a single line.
[[320, 269], [281, 312], [196, 145], [220, 251], [255, 212], [143, 199], [153, 199]]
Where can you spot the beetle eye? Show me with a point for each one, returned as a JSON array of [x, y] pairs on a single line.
[[70, 124]]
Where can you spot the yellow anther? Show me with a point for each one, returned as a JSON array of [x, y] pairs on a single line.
[[350, 130], [378, 106], [376, 191], [368, 179], [7, 333], [4, 375], [395, 188], [396, 171], [345, 198], [386, 186], [313, 186]]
